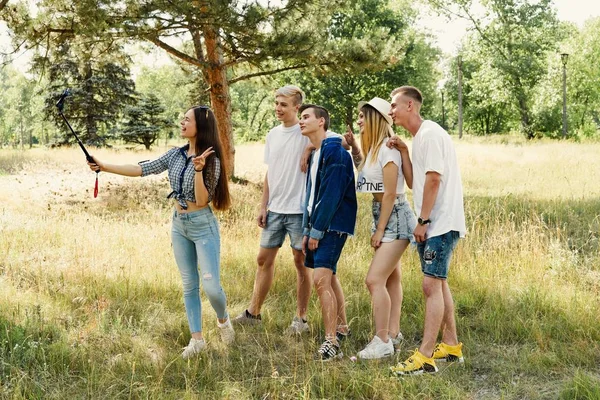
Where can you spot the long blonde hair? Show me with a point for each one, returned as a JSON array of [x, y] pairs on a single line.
[[376, 129]]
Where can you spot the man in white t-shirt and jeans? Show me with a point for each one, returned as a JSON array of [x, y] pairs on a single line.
[[281, 208], [438, 201]]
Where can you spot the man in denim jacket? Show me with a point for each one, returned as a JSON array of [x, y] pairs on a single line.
[[329, 217]]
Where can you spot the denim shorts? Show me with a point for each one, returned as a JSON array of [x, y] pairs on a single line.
[[328, 253], [401, 223], [435, 254], [278, 225]]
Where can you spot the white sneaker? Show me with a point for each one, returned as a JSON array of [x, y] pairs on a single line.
[[397, 342], [377, 348], [194, 347], [226, 330], [297, 326]]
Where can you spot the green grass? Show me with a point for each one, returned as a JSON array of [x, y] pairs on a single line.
[[90, 297]]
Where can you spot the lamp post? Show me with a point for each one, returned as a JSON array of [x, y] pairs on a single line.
[[564, 57]]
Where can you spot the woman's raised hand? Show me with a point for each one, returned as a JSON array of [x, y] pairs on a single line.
[[200, 161]]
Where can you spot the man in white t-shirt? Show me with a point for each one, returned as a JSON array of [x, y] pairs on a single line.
[[281, 207], [438, 201]]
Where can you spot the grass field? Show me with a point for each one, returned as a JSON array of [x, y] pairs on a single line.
[[91, 303]]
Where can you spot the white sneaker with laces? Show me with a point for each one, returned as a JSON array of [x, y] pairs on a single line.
[[226, 330], [377, 348], [194, 347], [297, 326]]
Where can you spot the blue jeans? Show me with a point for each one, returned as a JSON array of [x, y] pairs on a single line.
[[328, 253], [401, 223], [435, 254], [196, 242], [278, 225]]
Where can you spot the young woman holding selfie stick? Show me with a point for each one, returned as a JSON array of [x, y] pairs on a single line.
[[197, 176]]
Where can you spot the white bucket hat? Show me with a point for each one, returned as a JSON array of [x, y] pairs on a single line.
[[382, 106]]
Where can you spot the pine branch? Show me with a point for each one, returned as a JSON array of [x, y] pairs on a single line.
[[271, 72], [176, 53]]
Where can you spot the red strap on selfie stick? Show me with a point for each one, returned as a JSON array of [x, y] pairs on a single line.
[[96, 187]]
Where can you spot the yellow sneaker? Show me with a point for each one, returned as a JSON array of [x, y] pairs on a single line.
[[446, 353], [414, 365]]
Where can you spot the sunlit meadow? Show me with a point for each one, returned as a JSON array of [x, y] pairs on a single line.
[[91, 303]]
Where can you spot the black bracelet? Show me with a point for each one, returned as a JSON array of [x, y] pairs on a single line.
[[197, 170]]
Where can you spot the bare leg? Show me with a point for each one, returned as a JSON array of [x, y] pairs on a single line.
[[323, 278], [341, 302], [263, 279], [384, 263], [434, 313], [448, 323], [303, 284], [394, 289]]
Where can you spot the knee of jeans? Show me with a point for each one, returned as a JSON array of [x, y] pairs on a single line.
[[190, 288], [211, 285]]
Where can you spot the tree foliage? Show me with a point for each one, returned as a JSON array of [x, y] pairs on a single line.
[[226, 41], [399, 56], [100, 85], [145, 121], [487, 103], [515, 37]]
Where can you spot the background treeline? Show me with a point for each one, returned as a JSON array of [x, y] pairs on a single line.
[[340, 52]]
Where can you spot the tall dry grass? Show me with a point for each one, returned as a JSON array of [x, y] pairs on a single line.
[[90, 298]]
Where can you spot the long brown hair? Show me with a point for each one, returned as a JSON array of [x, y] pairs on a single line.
[[376, 129], [207, 135]]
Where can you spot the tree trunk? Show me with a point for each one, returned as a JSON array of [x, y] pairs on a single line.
[[216, 75], [90, 123], [525, 124]]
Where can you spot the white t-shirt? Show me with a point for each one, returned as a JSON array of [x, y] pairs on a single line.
[[313, 178], [284, 147], [432, 150], [370, 177]]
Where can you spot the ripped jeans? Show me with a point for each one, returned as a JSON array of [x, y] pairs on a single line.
[[197, 244]]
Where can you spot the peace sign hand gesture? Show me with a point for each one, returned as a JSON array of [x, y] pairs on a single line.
[[200, 161]]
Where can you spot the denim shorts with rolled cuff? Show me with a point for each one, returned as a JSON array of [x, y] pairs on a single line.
[[328, 253], [278, 225], [435, 253], [401, 223]]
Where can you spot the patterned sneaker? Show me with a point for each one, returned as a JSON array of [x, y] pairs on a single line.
[[397, 341], [246, 318], [226, 330], [415, 365], [297, 326], [446, 353], [376, 349], [328, 351], [341, 335], [194, 347]]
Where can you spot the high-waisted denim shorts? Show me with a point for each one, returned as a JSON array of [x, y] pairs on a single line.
[[401, 223]]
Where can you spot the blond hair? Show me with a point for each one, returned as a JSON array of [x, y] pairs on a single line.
[[291, 91], [409, 91], [376, 129]]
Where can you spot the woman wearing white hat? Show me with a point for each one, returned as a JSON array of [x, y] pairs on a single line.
[[382, 172]]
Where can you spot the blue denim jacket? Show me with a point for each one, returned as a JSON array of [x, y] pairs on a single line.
[[334, 207]]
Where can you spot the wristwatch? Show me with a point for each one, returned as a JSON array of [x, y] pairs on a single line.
[[422, 221]]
